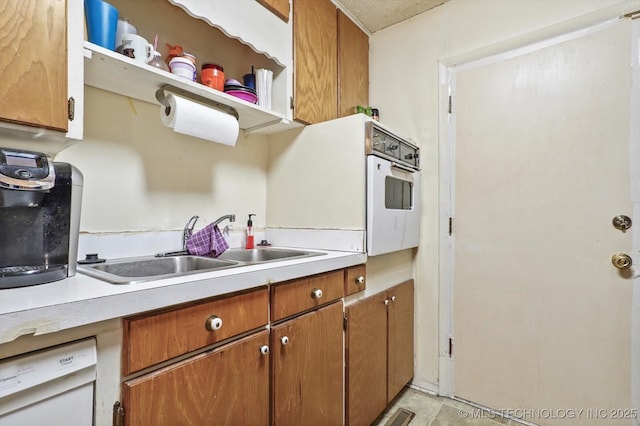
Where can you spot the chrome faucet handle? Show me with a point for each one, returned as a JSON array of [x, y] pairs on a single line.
[[188, 230]]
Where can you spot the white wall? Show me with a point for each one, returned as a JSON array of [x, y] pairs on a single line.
[[141, 176], [404, 86]]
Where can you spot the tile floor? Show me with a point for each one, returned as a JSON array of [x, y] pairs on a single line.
[[433, 410]]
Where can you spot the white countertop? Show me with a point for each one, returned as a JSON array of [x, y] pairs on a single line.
[[82, 300]]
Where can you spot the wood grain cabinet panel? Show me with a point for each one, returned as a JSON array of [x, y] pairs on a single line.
[[366, 354], [315, 50], [379, 338], [155, 337], [227, 386], [33, 65], [279, 7], [400, 328], [307, 369], [353, 66], [355, 279], [292, 297]]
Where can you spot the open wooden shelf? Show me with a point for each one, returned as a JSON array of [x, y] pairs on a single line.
[[111, 71]]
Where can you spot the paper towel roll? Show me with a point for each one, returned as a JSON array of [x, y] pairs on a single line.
[[197, 120]]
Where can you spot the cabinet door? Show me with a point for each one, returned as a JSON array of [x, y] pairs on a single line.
[[353, 66], [307, 369], [315, 56], [366, 360], [33, 39], [400, 363], [228, 386], [278, 7]]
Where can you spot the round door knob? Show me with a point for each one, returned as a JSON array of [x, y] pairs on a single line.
[[284, 340], [316, 293], [621, 261], [393, 298], [621, 222], [360, 280], [213, 323], [386, 302], [264, 349]]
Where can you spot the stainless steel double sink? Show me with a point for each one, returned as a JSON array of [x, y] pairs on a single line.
[[132, 270]]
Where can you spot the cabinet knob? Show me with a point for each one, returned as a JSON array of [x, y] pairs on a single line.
[[316, 293], [393, 298], [264, 349], [284, 340], [213, 323], [360, 280], [386, 302]]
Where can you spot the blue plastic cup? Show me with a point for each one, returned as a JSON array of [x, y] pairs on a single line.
[[102, 22], [249, 80]]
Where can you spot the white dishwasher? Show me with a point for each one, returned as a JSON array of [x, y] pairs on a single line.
[[53, 386]]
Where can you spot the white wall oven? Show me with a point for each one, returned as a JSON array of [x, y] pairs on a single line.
[[393, 191]]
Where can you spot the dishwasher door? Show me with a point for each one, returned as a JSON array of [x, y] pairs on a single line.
[[53, 386]]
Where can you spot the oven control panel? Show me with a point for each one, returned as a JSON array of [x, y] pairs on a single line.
[[383, 143]]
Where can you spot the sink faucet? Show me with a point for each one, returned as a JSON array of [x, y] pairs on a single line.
[[188, 231], [231, 217]]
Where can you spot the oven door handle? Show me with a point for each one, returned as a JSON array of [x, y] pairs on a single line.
[[402, 167]]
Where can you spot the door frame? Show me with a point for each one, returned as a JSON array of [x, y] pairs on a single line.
[[511, 48]]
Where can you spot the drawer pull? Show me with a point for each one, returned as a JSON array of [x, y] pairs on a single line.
[[284, 340], [264, 349], [360, 280], [316, 293], [213, 323]]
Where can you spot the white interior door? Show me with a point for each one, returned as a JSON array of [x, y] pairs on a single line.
[[541, 318]]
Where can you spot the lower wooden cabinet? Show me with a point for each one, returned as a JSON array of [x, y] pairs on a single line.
[[227, 386], [379, 352], [307, 369]]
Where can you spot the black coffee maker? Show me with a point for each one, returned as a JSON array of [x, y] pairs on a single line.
[[39, 218]]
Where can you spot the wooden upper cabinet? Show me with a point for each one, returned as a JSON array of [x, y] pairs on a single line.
[[33, 64], [315, 50], [353, 66], [279, 7]]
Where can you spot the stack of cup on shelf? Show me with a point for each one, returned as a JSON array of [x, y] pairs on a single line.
[[263, 82]]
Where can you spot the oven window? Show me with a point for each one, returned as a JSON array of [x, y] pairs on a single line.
[[397, 194]]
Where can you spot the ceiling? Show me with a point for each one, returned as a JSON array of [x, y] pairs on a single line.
[[375, 15]]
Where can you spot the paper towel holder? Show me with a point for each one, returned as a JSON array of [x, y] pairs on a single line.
[[161, 97]]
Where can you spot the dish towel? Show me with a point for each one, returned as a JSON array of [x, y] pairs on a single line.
[[208, 241]]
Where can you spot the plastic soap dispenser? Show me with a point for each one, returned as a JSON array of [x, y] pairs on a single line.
[[250, 242]]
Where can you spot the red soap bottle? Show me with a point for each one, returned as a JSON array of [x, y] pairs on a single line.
[[250, 243]]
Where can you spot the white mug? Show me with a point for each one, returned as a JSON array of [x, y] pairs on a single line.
[[137, 48]]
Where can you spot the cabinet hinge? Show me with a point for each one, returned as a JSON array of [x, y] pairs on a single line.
[[118, 414], [291, 102], [344, 323], [71, 108], [450, 104], [450, 347], [450, 226]]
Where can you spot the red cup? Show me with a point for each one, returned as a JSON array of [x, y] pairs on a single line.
[[213, 76]]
